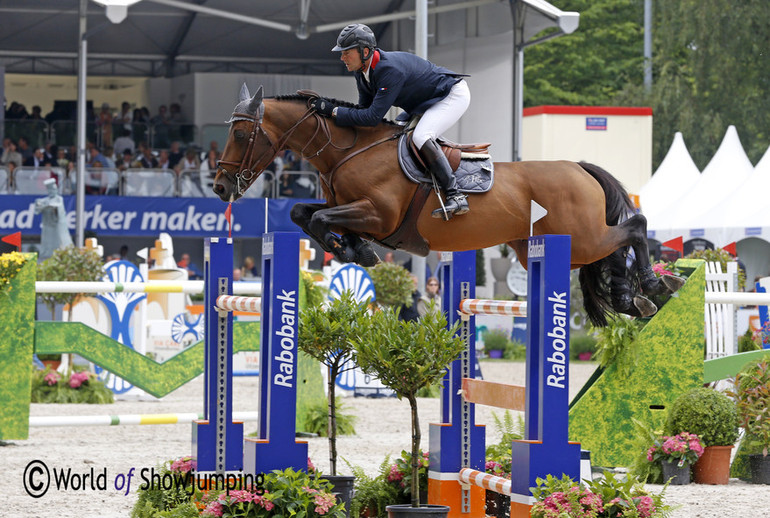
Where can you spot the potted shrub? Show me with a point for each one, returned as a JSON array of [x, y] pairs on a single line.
[[407, 356], [676, 454], [712, 416], [324, 334], [495, 343], [752, 397]]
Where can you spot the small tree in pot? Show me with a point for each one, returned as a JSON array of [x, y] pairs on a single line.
[[407, 356], [324, 334]]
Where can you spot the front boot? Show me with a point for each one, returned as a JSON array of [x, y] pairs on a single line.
[[456, 202]]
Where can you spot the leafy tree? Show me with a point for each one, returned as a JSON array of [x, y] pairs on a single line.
[[69, 264]]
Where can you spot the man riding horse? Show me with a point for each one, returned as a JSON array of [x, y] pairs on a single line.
[[417, 86]]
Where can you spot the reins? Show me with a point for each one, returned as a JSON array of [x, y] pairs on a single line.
[[247, 168]]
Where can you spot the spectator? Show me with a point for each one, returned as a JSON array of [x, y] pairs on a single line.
[[431, 299], [175, 154], [210, 164], [125, 161], [123, 253], [249, 268], [236, 274], [163, 160], [36, 113], [125, 117], [10, 154], [39, 159], [286, 186], [26, 151], [61, 158], [124, 141], [104, 125], [213, 146], [145, 158], [109, 155], [189, 162], [96, 158], [193, 272], [389, 258], [410, 313]]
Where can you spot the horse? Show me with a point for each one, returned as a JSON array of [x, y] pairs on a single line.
[[368, 198]]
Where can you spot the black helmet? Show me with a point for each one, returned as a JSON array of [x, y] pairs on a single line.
[[355, 35]]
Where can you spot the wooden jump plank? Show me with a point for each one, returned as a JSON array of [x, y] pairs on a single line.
[[489, 393]]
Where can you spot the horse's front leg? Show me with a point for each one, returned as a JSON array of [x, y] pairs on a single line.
[[301, 213], [357, 217], [650, 283]]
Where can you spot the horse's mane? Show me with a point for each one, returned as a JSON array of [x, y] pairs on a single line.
[[304, 97]]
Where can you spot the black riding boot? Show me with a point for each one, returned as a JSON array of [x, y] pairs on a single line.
[[438, 165]]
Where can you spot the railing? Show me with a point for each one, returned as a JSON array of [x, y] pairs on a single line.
[[720, 317], [189, 183]]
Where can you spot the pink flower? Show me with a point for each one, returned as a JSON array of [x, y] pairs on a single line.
[[324, 502], [310, 466], [52, 378], [645, 506], [493, 467], [394, 475], [77, 378], [183, 464], [213, 509]]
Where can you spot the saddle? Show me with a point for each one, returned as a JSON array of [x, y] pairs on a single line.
[[471, 164]]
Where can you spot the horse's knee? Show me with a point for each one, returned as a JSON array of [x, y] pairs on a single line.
[[300, 213]]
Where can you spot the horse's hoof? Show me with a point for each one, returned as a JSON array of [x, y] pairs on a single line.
[[672, 282], [645, 306], [366, 256]]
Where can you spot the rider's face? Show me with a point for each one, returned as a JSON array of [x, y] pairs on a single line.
[[352, 59]]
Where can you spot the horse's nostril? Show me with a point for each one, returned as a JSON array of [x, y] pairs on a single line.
[[218, 188]]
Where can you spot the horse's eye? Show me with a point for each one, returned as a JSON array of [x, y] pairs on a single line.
[[240, 134]]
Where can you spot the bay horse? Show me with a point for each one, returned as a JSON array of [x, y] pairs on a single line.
[[368, 198]]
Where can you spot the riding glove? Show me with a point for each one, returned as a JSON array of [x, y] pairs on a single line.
[[323, 106]]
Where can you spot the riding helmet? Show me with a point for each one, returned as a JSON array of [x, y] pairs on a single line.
[[356, 35]]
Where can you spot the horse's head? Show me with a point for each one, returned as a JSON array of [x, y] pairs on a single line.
[[248, 150]]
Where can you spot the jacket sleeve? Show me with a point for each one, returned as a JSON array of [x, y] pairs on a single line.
[[388, 88]]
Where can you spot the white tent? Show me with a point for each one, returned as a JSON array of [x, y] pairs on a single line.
[[675, 176], [727, 171]]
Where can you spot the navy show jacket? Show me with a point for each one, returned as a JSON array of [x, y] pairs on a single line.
[[397, 79]]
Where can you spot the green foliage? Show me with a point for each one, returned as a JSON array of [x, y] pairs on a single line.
[[515, 350], [69, 264], [431, 391], [641, 468], [10, 264], [504, 250], [495, 340], [373, 493], [317, 418], [707, 413], [747, 342], [722, 257], [406, 356], [603, 498], [393, 284], [752, 398], [314, 294], [510, 430], [579, 344], [481, 272], [78, 386], [153, 501], [616, 343], [399, 475]]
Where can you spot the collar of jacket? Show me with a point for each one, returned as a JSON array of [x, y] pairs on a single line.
[[375, 59]]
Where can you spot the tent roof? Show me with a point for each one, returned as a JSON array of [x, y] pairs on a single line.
[[174, 37], [728, 169], [675, 176]]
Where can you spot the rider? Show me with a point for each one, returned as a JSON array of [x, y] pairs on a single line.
[[419, 87]]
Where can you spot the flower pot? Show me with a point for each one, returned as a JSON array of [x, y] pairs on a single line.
[[677, 476], [343, 489], [407, 511], [495, 353], [497, 504], [760, 468], [500, 267], [714, 466], [584, 357]]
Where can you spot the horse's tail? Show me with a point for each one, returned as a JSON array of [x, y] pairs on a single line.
[[595, 277]]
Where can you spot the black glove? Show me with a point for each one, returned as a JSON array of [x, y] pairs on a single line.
[[323, 106]]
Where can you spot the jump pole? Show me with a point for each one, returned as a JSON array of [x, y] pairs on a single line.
[[545, 449]]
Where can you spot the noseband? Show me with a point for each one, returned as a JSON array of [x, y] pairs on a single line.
[[248, 168]]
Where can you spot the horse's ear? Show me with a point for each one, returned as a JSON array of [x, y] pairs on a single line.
[[256, 100], [244, 94]]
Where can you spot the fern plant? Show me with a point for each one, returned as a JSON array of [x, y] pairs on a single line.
[[317, 418], [372, 494]]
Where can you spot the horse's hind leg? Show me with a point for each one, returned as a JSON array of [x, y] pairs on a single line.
[[636, 226], [355, 217], [623, 296]]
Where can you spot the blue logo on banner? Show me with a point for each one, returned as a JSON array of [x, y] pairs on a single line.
[[596, 123], [754, 231], [697, 232]]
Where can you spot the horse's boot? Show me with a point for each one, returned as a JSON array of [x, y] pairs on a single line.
[[438, 165]]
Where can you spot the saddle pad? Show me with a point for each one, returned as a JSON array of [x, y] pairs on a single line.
[[473, 175]]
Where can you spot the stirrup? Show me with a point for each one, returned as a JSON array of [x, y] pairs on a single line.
[[456, 205]]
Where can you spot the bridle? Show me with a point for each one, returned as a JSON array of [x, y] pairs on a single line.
[[249, 168]]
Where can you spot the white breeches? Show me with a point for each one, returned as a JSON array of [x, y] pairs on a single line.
[[442, 115]]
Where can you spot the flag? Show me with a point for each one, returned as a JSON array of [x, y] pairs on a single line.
[[731, 249], [675, 244], [228, 217], [536, 213], [13, 239]]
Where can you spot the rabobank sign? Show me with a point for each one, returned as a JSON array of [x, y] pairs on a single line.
[[134, 216]]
